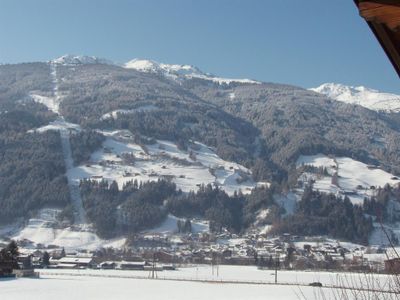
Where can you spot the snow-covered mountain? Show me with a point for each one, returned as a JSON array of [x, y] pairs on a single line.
[[172, 71], [179, 72], [360, 95], [70, 59]]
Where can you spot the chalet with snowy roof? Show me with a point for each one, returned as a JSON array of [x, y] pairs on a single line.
[[73, 262], [131, 265]]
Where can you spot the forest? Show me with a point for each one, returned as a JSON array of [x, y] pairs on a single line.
[[32, 165], [325, 214], [83, 144], [143, 206]]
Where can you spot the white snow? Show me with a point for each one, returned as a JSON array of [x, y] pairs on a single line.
[[250, 274], [69, 287], [169, 226], [70, 60], [360, 95], [40, 231], [318, 160], [355, 178], [58, 124], [52, 103], [114, 114], [287, 201], [49, 102], [164, 160], [115, 284], [353, 173], [180, 72]]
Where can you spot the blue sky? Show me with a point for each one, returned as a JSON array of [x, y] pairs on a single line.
[[305, 43]]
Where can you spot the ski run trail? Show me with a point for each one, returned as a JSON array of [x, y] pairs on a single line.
[[76, 200]]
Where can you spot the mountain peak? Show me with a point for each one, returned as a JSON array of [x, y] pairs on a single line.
[[360, 95], [143, 65], [71, 59], [179, 72], [170, 70]]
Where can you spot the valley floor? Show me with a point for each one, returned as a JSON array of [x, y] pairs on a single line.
[[113, 284], [66, 288]]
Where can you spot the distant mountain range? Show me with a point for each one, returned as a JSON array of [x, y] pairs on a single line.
[[272, 122], [360, 95]]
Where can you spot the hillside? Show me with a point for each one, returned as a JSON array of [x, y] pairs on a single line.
[[230, 152], [294, 121]]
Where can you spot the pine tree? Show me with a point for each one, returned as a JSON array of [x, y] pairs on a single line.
[[46, 259]]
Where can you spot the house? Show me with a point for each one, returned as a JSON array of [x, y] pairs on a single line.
[[71, 262], [107, 265], [168, 268], [131, 265], [392, 266], [166, 257], [24, 261]]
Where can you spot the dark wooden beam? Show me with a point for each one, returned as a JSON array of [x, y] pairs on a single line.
[[385, 38], [387, 2], [381, 13], [383, 17]]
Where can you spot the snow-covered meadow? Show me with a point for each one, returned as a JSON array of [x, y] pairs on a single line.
[[354, 178], [189, 169], [224, 282], [44, 230], [94, 288]]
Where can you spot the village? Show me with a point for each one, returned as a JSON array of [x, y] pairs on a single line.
[[158, 252]]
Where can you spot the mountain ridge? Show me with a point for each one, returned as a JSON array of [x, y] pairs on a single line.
[[128, 119], [360, 95]]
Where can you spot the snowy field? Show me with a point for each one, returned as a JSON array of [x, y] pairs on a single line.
[[88, 288], [247, 274], [355, 178], [41, 230], [105, 284], [162, 160]]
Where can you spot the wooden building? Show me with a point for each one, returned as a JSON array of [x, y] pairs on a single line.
[[383, 17], [392, 266]]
